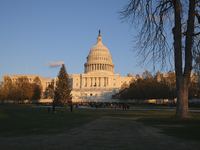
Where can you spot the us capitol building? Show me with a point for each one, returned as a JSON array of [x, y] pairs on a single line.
[[97, 83]]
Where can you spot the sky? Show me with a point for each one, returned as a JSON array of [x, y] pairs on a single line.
[[37, 35]]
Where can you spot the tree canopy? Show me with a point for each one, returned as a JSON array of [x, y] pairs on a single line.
[[150, 88], [21, 89]]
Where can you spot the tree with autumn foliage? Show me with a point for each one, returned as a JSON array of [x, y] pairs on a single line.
[[37, 89]]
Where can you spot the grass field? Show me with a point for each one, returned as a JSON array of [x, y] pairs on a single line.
[[23, 120]]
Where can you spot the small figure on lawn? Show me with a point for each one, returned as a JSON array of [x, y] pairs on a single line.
[[171, 105], [128, 106], [71, 107], [61, 110], [53, 107], [48, 109]]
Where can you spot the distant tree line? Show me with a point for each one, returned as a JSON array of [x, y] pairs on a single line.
[[155, 87], [21, 89]]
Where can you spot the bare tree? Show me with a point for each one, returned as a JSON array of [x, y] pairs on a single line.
[[161, 20]]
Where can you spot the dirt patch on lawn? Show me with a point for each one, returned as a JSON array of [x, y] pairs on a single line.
[[104, 133]]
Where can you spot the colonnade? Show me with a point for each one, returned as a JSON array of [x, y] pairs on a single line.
[[96, 67], [95, 81]]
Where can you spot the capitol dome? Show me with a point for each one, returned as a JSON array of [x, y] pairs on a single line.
[[99, 58]]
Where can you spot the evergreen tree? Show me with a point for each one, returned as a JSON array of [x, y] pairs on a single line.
[[63, 90]]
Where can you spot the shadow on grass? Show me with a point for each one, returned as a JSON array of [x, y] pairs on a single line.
[[187, 129], [19, 120]]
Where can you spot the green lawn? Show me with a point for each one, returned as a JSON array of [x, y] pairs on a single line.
[[19, 120]]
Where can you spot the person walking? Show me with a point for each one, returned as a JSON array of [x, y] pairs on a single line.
[[128, 106], [71, 107]]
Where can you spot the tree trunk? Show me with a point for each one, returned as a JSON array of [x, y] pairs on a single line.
[[182, 98], [183, 79]]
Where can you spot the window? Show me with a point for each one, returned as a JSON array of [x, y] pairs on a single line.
[[85, 81], [91, 81], [104, 81], [99, 81], [95, 82]]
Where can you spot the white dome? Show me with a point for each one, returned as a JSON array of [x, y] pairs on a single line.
[[99, 58], [99, 47]]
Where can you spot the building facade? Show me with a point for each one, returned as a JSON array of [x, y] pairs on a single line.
[[97, 83]]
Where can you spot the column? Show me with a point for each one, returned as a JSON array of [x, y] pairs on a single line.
[[83, 82], [92, 81], [99, 82], [89, 81]]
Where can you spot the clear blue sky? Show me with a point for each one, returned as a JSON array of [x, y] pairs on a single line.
[[36, 32]]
